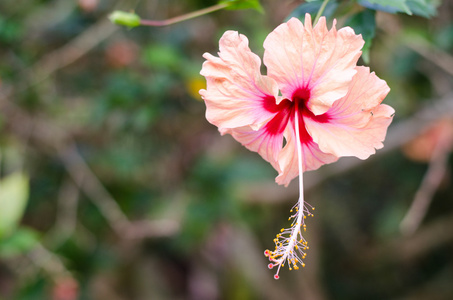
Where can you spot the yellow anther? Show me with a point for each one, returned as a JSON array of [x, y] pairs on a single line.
[[303, 265], [313, 208], [283, 229]]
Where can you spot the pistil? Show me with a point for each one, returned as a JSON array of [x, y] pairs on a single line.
[[289, 243]]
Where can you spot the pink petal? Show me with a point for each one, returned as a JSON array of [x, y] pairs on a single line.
[[312, 156], [357, 124], [268, 140], [267, 145], [300, 57], [237, 93]]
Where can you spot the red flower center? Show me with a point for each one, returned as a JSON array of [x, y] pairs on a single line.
[[285, 112]]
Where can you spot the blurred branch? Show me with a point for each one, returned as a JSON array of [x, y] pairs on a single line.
[[48, 14], [152, 228], [427, 238], [416, 43], [70, 52], [435, 55], [85, 179], [398, 135], [433, 177], [66, 214], [49, 262]]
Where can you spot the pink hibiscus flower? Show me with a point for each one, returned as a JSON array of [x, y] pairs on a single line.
[[314, 106]]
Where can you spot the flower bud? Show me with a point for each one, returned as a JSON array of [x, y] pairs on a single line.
[[124, 18]]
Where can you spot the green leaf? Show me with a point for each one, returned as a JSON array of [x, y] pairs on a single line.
[[243, 4], [20, 241], [390, 6], [364, 23], [14, 191], [312, 8], [424, 8]]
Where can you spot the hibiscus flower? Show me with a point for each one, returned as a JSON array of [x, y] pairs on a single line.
[[314, 106]]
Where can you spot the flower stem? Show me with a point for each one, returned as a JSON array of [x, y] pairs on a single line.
[[185, 17], [320, 11]]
